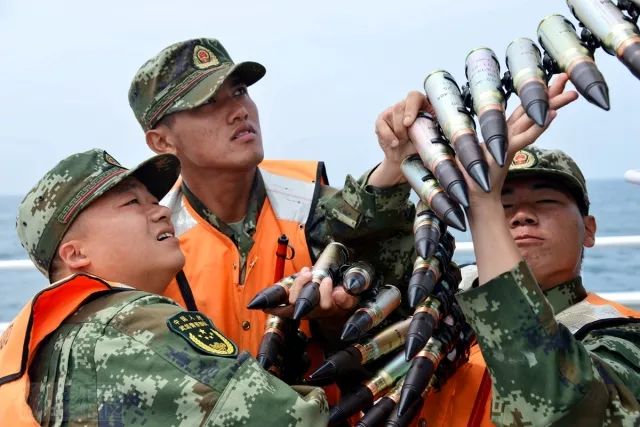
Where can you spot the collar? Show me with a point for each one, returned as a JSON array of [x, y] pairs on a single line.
[[566, 294], [256, 200]]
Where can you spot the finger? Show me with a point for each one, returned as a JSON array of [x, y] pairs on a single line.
[[384, 130], [326, 289], [344, 300], [563, 99], [557, 86], [517, 113], [303, 277], [414, 102], [399, 129], [531, 134]]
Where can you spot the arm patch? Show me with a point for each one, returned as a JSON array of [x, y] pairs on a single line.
[[199, 332]]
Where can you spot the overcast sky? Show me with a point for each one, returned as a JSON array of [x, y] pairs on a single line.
[[332, 67]]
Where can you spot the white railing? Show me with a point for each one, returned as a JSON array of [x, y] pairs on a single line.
[[461, 247], [631, 299]]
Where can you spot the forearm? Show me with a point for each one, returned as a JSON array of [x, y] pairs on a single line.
[[494, 248], [387, 174], [541, 374]]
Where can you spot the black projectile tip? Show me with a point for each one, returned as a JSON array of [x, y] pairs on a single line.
[[590, 83], [537, 111], [412, 346], [350, 332], [534, 97], [458, 192], [301, 309], [416, 294], [480, 173], [258, 302], [407, 397], [599, 95], [425, 247], [354, 284], [631, 58], [498, 148], [493, 125], [455, 218], [326, 371], [264, 362]]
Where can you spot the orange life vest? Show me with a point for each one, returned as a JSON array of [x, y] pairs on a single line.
[[465, 399], [213, 261], [20, 341]]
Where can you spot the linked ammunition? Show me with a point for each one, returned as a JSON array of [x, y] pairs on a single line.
[[372, 389], [358, 278], [426, 319], [485, 86], [437, 156], [430, 192], [272, 343], [528, 78], [425, 275], [457, 125], [374, 312], [351, 358], [608, 24], [427, 229], [424, 365], [559, 40], [378, 413], [274, 295], [334, 256], [397, 420]]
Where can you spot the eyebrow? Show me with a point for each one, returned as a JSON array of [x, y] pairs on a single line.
[[126, 185], [543, 185]]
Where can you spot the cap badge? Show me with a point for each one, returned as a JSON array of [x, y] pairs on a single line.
[[204, 58], [109, 159], [522, 160]]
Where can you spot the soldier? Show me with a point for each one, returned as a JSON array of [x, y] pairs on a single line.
[[579, 368], [231, 206], [99, 346], [556, 354]]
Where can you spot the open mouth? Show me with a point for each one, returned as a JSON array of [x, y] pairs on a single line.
[[164, 236]]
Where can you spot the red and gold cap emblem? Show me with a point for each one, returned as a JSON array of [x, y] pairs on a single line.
[[204, 58], [523, 160]]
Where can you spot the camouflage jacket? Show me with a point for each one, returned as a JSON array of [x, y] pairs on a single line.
[[541, 373], [375, 222], [117, 362]]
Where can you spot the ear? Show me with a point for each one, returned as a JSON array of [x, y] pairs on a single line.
[[589, 231], [72, 256], [159, 140]]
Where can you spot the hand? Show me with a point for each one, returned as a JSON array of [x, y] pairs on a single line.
[[335, 302], [392, 130], [522, 132]]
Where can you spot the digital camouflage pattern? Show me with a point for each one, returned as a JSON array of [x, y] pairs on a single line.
[[49, 208], [182, 76], [116, 362], [541, 373], [534, 161], [376, 223]]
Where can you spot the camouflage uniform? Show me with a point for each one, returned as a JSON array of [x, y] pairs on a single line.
[[129, 357], [376, 223], [116, 362], [542, 374]]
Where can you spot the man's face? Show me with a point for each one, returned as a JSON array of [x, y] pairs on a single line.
[[548, 228], [127, 237], [223, 134]]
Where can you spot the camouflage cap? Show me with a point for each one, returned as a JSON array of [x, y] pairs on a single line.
[[49, 208], [556, 164], [182, 76]]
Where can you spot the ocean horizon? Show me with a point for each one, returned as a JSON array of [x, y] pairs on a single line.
[[614, 203]]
